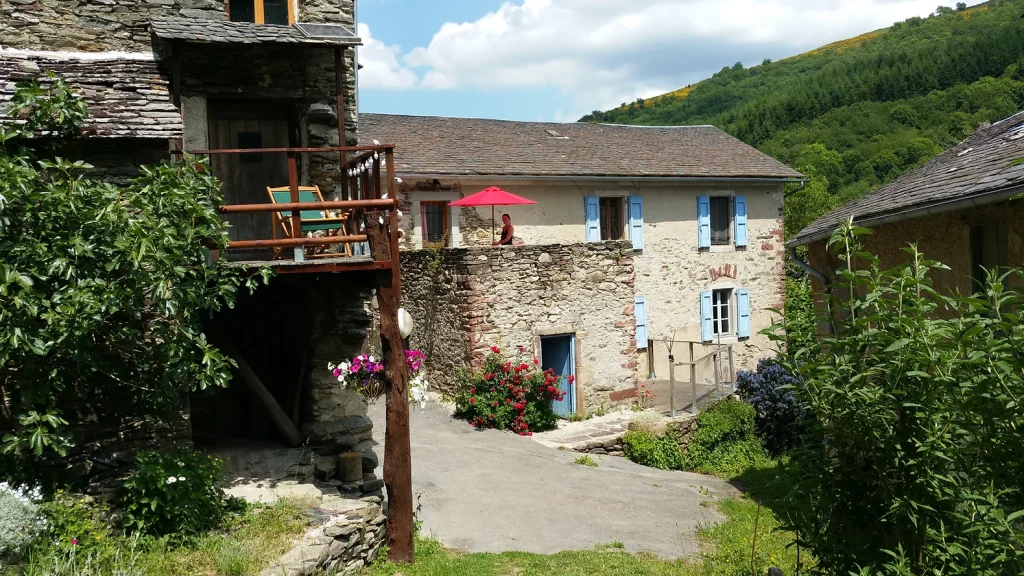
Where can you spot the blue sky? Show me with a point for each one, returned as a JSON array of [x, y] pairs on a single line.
[[555, 60]]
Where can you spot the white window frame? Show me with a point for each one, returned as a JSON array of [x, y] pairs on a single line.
[[729, 307]]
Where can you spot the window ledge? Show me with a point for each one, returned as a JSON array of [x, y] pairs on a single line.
[[721, 248], [724, 340]]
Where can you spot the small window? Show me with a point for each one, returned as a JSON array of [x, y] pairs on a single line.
[[989, 250], [261, 11], [435, 224], [611, 219], [719, 220], [249, 140], [721, 313]]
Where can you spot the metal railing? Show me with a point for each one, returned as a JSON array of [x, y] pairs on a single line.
[[708, 374]]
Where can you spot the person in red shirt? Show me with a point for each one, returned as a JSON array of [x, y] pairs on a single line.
[[507, 232]]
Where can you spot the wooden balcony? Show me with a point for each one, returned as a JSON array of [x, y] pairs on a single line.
[[287, 245]]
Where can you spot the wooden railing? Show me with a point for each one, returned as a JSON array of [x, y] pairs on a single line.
[[363, 172]]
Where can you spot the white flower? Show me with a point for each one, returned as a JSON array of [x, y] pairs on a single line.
[[381, 219], [331, 366], [371, 359], [172, 480], [181, 478]]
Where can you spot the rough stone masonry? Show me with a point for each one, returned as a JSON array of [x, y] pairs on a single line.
[[466, 300]]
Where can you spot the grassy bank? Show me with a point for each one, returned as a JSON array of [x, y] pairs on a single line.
[[246, 547]]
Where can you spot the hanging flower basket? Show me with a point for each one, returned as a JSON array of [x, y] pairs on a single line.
[[365, 375]]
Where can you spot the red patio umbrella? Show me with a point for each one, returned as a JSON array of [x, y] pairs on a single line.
[[492, 197]]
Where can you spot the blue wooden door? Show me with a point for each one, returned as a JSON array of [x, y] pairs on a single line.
[[558, 353]]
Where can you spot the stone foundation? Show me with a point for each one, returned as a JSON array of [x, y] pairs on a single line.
[[347, 538], [682, 428], [466, 300]]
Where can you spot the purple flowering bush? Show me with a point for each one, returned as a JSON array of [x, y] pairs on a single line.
[[777, 412]]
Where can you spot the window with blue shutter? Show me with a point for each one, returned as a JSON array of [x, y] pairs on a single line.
[[740, 218], [707, 333], [743, 313], [703, 222], [592, 211], [636, 222], [640, 311]]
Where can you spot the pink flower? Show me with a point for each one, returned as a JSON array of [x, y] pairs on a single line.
[[74, 541]]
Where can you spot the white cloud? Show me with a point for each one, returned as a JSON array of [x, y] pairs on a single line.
[[381, 68], [604, 52]]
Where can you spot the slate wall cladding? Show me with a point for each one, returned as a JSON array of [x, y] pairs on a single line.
[[466, 300]]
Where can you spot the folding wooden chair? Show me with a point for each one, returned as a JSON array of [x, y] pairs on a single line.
[[312, 220]]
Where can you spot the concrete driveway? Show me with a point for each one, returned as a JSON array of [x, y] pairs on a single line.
[[491, 491]]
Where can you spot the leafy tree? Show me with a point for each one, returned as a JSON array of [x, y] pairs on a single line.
[[103, 288], [909, 463]]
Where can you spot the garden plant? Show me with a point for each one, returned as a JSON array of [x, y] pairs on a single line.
[[509, 393]]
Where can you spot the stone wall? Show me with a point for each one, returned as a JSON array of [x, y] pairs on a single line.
[[347, 537], [682, 428], [466, 300]]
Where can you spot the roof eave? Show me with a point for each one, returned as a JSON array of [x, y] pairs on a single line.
[[973, 201], [603, 177]]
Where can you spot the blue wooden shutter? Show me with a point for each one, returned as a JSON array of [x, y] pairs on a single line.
[[703, 222], [743, 313], [641, 322], [636, 222], [593, 215], [740, 203], [707, 331]]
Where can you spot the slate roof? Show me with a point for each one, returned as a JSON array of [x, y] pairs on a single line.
[[461, 146], [127, 97], [978, 167], [226, 32]]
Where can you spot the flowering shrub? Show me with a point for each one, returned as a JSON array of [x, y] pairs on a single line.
[[20, 519], [76, 523], [365, 375], [725, 443], [509, 395], [770, 391], [174, 493]]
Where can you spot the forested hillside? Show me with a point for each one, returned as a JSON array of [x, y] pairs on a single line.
[[858, 113]]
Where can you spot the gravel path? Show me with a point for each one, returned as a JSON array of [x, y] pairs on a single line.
[[490, 491]]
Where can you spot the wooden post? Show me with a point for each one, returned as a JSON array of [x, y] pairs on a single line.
[[293, 187], [671, 385], [693, 379], [397, 450], [732, 368], [339, 84]]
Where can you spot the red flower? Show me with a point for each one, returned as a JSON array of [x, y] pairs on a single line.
[[472, 390], [572, 379], [472, 400], [536, 361], [495, 349], [522, 349], [74, 541], [518, 406], [494, 403]]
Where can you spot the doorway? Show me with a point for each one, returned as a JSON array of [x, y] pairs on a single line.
[[558, 353], [241, 125]]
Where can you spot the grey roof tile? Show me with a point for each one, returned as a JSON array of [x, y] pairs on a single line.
[[226, 32], [126, 97], [463, 146], [978, 166]]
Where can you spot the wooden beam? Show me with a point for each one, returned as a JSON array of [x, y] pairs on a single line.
[[397, 451], [281, 420], [295, 242]]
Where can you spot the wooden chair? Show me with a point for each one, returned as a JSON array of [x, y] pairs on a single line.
[[312, 220]]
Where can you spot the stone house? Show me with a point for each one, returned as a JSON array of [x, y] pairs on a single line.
[[197, 75], [959, 209], [639, 234]]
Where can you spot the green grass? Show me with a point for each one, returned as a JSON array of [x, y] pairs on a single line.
[[586, 460], [246, 547], [725, 551]]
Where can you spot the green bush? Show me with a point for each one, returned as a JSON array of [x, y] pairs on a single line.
[[725, 443], [175, 493], [643, 447], [75, 521], [910, 458]]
